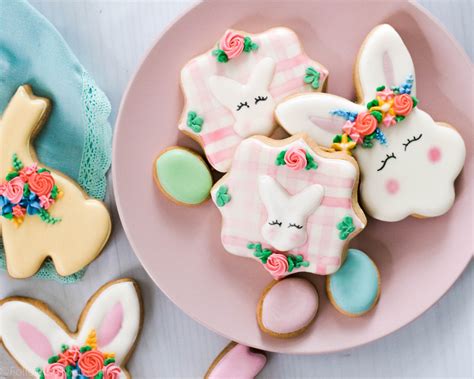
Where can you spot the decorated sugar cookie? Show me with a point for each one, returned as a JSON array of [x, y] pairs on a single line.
[[408, 161], [108, 329], [231, 90], [289, 205], [236, 361], [42, 212]]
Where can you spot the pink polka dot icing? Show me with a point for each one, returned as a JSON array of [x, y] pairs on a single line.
[[392, 186], [434, 154]]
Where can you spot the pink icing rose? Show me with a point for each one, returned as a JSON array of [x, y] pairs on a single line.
[[26, 172], [14, 190], [232, 43], [41, 183], [277, 265], [295, 158], [111, 371], [365, 123], [18, 211], [402, 104], [54, 371], [46, 201], [91, 363]]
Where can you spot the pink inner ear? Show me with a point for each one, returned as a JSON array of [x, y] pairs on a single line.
[[111, 325], [35, 340], [329, 124], [388, 70]]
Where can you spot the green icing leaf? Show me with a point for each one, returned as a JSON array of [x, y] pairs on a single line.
[[43, 170], [415, 101], [17, 163], [222, 196], [53, 359], [345, 227], [54, 192], [280, 159], [399, 118], [377, 115], [373, 103], [100, 375], [47, 218], [249, 45], [26, 190], [381, 88], [312, 77], [83, 349], [260, 253], [311, 164], [337, 138], [11, 175], [194, 122], [64, 347], [220, 55], [8, 216], [108, 361]]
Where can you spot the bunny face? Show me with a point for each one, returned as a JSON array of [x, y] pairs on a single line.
[[414, 171], [251, 104], [285, 227], [33, 334]]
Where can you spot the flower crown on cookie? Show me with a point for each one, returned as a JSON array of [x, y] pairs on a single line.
[[232, 45], [28, 191], [81, 362], [390, 106]]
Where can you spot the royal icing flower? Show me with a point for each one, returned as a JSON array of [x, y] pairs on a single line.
[[70, 356], [365, 123], [111, 371], [386, 94], [45, 201], [26, 172], [295, 158], [54, 371], [232, 44], [277, 265], [41, 183], [19, 211], [389, 120], [91, 363], [14, 190], [402, 104], [350, 130]]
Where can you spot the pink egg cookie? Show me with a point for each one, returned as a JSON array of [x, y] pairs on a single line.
[[289, 205], [231, 90], [408, 161], [287, 307], [238, 362]]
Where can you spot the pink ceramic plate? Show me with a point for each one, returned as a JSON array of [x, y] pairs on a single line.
[[180, 247]]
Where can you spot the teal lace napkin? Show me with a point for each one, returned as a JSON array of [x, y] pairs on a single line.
[[76, 139]]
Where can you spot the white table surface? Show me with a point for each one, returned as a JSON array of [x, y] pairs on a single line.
[[109, 39]]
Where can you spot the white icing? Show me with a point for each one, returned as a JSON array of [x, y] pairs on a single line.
[[13, 312], [285, 228], [250, 118], [418, 185]]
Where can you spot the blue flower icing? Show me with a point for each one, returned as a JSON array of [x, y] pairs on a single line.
[[354, 288]]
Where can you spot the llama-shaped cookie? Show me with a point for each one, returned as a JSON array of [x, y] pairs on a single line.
[[43, 212], [231, 90], [408, 161], [40, 342]]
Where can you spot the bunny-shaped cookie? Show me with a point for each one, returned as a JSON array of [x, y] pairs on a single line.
[[107, 331], [408, 161], [44, 213], [251, 104]]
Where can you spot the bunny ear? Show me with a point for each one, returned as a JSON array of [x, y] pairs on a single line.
[[29, 334], [313, 114], [308, 200], [227, 91], [273, 195], [383, 60], [115, 317], [262, 74]]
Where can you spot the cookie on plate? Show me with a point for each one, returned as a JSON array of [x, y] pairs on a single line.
[[231, 90], [408, 161]]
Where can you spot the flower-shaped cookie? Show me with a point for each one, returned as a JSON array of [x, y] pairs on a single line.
[[289, 205]]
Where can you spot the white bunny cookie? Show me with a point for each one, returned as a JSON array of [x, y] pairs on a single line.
[[289, 205], [107, 332], [42, 212], [408, 161], [231, 91]]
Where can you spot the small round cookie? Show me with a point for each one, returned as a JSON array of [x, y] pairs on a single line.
[[287, 307], [236, 361], [355, 288], [182, 176]]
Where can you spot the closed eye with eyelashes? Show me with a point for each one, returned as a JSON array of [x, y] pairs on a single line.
[[295, 226], [242, 104], [260, 98], [410, 140], [275, 222], [387, 158]]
